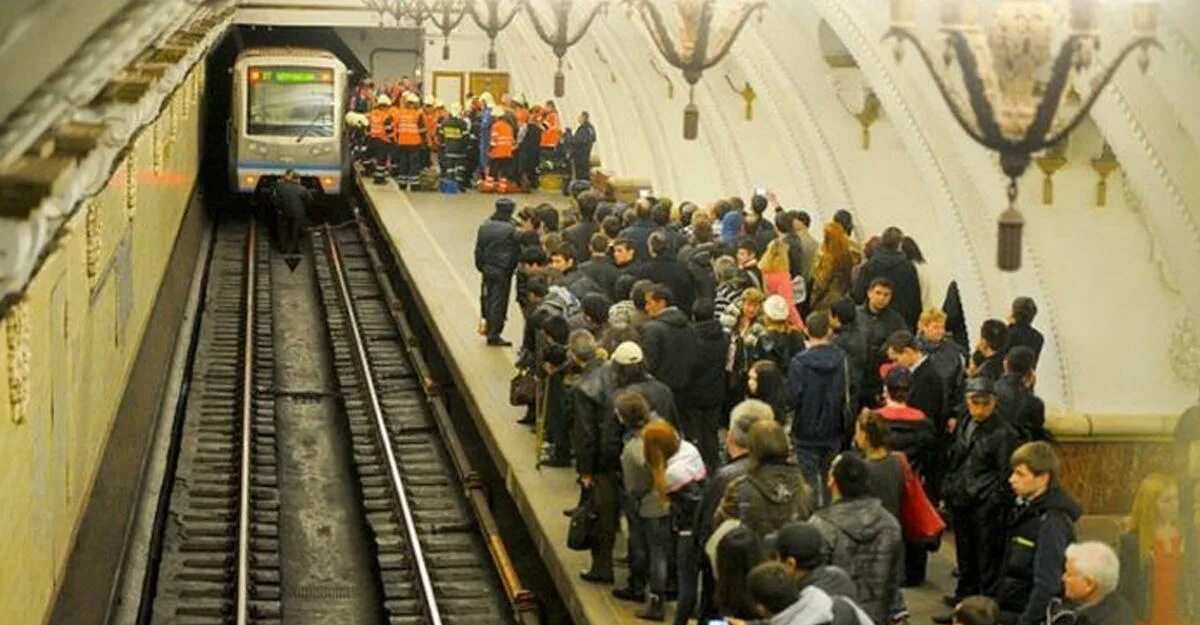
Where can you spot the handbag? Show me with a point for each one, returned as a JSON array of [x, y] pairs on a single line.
[[918, 516], [522, 389], [581, 533]]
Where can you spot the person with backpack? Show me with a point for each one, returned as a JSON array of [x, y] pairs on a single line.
[[818, 389], [864, 539], [773, 492]]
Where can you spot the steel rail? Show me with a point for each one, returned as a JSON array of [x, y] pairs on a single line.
[[243, 547], [385, 443]]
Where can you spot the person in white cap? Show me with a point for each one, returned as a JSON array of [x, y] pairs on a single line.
[[380, 135], [410, 134]]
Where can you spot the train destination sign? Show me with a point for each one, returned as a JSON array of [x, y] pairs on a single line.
[[290, 75]]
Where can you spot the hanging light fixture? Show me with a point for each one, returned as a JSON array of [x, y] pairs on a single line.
[[494, 22], [415, 10], [561, 39], [697, 47], [1020, 95], [446, 15]]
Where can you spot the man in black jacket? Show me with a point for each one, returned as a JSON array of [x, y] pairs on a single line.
[[580, 234], [662, 268], [669, 345], [291, 205], [599, 267], [701, 414], [1020, 327], [1039, 531], [988, 358], [976, 490], [889, 262], [562, 260], [1023, 410], [496, 255], [879, 320], [927, 392]]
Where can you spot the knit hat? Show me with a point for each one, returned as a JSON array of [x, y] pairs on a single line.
[[627, 353], [802, 542], [505, 205], [776, 308]]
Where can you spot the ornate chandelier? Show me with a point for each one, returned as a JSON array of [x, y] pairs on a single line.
[[446, 15], [495, 22], [1020, 97], [697, 47], [561, 39]]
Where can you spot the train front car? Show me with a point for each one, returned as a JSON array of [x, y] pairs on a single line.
[[287, 115]]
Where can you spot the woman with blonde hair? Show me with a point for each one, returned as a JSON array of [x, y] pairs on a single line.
[[832, 275], [1152, 553], [777, 278], [677, 473], [743, 322]]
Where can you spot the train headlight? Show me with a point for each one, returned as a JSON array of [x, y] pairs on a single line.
[[321, 148], [258, 148]]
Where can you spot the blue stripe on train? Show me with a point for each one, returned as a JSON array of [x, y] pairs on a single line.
[[278, 165]]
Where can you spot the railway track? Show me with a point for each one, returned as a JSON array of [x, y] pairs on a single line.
[[433, 550]]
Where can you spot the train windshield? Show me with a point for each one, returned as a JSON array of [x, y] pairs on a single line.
[[290, 101]]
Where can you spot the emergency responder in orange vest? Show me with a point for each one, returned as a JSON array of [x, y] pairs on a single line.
[[380, 134], [429, 116], [410, 135], [503, 143], [551, 128], [452, 133]]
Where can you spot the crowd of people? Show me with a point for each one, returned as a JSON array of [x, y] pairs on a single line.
[[402, 134], [784, 424]]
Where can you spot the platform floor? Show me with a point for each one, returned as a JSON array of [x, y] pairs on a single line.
[[433, 236]]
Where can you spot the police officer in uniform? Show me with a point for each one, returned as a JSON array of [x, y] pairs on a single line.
[[496, 253]]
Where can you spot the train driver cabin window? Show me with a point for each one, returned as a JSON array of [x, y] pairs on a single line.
[[290, 101]]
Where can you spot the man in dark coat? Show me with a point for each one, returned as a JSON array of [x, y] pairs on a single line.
[[879, 320], [562, 260], [1023, 410], [669, 344], [1040, 529], [818, 388], [849, 334], [759, 229], [988, 358], [702, 415], [889, 262], [927, 392], [496, 255], [291, 204], [662, 268], [1021, 330], [599, 267], [579, 147], [976, 489], [1090, 584], [639, 231], [580, 234]]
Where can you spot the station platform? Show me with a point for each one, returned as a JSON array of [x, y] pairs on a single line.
[[433, 236]]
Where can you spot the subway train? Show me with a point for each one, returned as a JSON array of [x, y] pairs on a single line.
[[286, 114]]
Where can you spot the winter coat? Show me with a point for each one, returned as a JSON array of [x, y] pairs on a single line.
[[978, 469], [802, 251], [635, 476], [603, 272], [817, 390], [698, 261], [762, 234], [599, 437], [579, 283], [1035, 556], [672, 273], [815, 607], [706, 383], [1027, 335], [685, 476], [1023, 410], [714, 493], [852, 338], [906, 289], [991, 367], [877, 327], [912, 434], [496, 247], [830, 283], [731, 228], [767, 498], [639, 232], [864, 539], [834, 580], [780, 283], [956, 319], [1113, 609], [580, 237], [950, 361], [669, 345], [780, 348], [928, 393]]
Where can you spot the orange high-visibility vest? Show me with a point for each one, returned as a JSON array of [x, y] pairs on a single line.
[[503, 138], [408, 128], [431, 118], [551, 130], [381, 124], [522, 115]]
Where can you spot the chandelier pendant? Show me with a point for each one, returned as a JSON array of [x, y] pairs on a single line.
[[560, 38]]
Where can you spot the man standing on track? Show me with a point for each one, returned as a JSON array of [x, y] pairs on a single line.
[[291, 209], [496, 253]]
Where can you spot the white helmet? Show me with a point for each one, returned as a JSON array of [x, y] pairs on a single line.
[[356, 119], [455, 109], [412, 98], [383, 100]]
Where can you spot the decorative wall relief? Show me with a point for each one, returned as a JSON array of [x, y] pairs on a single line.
[[18, 335], [1052, 160], [1104, 165], [1184, 353], [870, 113], [95, 242], [747, 94], [666, 77], [131, 183], [603, 59]]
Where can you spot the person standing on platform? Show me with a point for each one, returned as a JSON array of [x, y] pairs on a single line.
[[291, 205], [580, 149], [1020, 327], [486, 117], [976, 491], [410, 140], [502, 142], [380, 137], [879, 320], [453, 133], [496, 255]]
